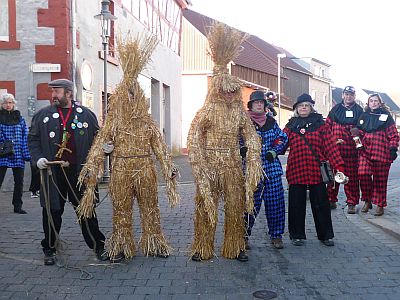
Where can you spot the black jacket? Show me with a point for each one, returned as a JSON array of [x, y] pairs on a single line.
[[45, 132]]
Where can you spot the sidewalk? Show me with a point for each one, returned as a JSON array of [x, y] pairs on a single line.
[[389, 222], [363, 264]]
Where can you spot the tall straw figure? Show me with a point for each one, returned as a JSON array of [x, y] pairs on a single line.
[[213, 147], [135, 137]]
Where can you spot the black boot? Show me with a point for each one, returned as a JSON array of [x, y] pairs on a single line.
[[242, 256], [49, 258], [19, 210]]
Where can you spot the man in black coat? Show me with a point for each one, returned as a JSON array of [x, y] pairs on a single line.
[[63, 132]]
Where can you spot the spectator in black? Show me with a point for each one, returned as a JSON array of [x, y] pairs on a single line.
[[64, 132], [34, 187]]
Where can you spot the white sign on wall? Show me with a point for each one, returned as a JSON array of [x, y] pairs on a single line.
[[45, 68], [88, 99]]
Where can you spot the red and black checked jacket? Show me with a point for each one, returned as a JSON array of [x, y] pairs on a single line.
[[340, 126], [302, 167], [377, 142]]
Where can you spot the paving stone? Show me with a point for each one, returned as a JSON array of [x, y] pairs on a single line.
[[363, 264]]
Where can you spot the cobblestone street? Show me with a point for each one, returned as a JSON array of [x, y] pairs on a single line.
[[363, 264]]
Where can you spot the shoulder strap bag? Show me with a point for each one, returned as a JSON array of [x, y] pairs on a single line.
[[326, 170]]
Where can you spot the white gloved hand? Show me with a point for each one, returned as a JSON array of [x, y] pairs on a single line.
[[108, 147], [42, 163], [64, 164]]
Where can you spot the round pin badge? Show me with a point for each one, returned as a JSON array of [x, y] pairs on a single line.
[[45, 120], [56, 115], [52, 134], [361, 121], [79, 109], [73, 126], [79, 125], [302, 131], [75, 121], [81, 132], [85, 125]]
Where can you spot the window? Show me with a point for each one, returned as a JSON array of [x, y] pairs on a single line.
[[111, 41], [314, 95], [8, 28], [127, 4], [4, 36]]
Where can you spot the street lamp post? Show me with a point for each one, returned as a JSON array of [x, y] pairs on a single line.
[[279, 56], [105, 18]]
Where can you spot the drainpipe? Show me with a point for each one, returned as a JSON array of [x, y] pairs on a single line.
[[73, 29]]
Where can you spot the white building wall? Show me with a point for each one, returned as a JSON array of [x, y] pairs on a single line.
[[194, 92], [165, 68]]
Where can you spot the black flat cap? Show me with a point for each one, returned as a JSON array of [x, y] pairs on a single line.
[[62, 83]]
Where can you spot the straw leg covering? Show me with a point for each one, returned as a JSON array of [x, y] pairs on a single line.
[[234, 197], [204, 230], [152, 241], [122, 194]]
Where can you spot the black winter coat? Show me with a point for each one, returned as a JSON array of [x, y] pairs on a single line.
[[45, 133]]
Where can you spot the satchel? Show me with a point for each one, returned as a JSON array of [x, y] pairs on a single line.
[[6, 148], [326, 172]]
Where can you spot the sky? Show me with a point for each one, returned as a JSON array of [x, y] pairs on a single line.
[[359, 39]]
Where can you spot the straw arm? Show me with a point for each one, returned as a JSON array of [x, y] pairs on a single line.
[[163, 155], [253, 161], [200, 168]]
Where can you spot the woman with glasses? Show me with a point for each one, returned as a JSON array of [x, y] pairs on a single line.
[[13, 128], [380, 141], [310, 141]]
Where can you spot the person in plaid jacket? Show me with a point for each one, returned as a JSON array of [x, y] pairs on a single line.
[[380, 141], [342, 119], [269, 189], [303, 170], [13, 127]]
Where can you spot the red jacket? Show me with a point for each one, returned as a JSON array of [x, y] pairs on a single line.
[[302, 166], [340, 124], [378, 135]]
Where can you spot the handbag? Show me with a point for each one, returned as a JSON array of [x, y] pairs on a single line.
[[6, 148], [326, 170]]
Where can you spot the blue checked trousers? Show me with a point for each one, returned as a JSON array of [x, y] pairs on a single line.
[[271, 191]]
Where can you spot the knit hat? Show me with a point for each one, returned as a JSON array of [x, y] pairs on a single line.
[[304, 98], [270, 96]]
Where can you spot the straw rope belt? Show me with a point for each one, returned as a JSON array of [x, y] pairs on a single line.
[[133, 156]]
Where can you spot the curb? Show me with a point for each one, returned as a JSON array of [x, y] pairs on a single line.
[[387, 226]]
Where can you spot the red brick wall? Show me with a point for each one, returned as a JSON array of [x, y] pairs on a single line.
[[57, 15], [9, 86]]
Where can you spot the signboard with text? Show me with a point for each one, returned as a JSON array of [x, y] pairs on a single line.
[[45, 68]]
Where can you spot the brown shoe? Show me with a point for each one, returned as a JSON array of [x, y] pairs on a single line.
[[351, 210], [379, 211], [333, 205], [367, 206], [277, 243]]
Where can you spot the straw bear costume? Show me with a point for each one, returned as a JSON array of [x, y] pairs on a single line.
[[136, 138], [213, 147]]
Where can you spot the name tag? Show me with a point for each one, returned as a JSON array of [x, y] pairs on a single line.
[[349, 113], [383, 117]]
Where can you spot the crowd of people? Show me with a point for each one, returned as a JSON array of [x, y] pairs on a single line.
[[359, 143]]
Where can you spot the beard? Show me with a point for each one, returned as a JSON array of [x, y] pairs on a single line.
[[63, 102]]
